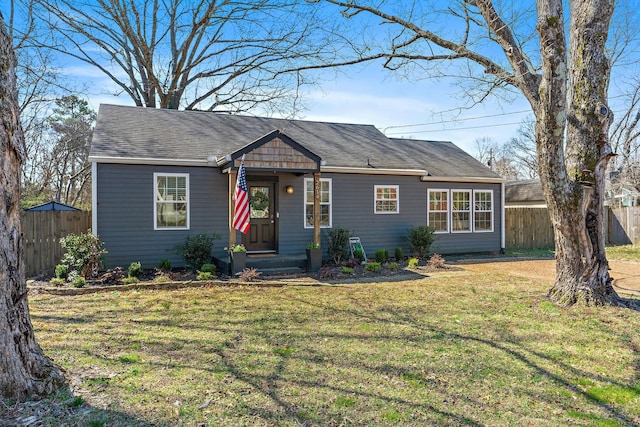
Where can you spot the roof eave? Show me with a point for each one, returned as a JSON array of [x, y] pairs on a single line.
[[474, 179], [149, 161], [372, 171]]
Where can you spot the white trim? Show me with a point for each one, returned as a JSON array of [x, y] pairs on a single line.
[[375, 199], [492, 211], [150, 161], [155, 200], [470, 192], [467, 179], [373, 171], [446, 211], [305, 203], [94, 198]]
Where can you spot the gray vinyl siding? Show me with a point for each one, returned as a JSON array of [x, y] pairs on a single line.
[[353, 208], [125, 212], [125, 219]]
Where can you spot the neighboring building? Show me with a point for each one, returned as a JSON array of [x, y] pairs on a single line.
[[160, 175], [52, 206], [527, 193]]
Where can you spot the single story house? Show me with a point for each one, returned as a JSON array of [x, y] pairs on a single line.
[[160, 175], [524, 194]]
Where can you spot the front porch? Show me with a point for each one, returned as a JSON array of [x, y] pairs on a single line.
[[270, 264]]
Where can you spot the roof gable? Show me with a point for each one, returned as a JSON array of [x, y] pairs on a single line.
[[274, 151]]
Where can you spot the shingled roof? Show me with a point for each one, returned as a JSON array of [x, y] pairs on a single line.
[[524, 191], [134, 134]]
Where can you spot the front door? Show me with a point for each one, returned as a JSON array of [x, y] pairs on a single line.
[[262, 233]]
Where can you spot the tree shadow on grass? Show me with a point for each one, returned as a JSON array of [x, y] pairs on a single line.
[[64, 409], [516, 351]]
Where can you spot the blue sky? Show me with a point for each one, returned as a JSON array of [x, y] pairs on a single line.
[[370, 94]]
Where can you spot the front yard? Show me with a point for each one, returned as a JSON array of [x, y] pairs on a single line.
[[457, 348]]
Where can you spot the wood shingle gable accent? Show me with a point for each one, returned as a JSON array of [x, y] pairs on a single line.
[[276, 151]]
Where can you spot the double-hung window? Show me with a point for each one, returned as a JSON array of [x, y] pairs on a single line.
[[483, 210], [325, 203], [386, 199], [171, 207], [438, 210], [460, 211]]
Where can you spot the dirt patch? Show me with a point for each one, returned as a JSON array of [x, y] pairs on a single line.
[[626, 275]]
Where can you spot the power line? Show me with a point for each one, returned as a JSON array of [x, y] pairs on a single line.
[[457, 120], [456, 129]]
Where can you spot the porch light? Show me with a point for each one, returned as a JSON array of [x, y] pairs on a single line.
[[289, 189]]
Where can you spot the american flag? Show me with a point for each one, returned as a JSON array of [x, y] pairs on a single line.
[[241, 219]]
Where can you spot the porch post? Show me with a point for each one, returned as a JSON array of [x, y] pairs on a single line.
[[232, 185], [316, 208]]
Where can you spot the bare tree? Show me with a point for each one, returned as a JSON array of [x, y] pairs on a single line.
[[26, 371], [521, 149], [495, 156], [624, 171], [39, 84], [565, 82], [192, 54]]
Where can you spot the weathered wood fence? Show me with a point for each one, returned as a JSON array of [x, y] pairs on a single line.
[[528, 228], [41, 233], [624, 225]]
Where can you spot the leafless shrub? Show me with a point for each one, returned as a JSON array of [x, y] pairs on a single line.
[[249, 275]]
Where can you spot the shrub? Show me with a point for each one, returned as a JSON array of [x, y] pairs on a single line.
[[204, 275], [347, 270], [62, 271], [436, 261], [420, 240], [413, 263], [130, 280], [338, 243], [79, 282], [135, 269], [393, 266], [208, 268], [249, 275], [83, 253], [399, 253], [373, 266], [165, 264], [382, 255], [56, 281], [196, 250]]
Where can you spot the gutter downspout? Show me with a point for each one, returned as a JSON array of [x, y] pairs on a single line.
[[502, 220], [94, 198]]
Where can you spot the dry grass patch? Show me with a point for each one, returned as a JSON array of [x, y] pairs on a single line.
[[467, 349]]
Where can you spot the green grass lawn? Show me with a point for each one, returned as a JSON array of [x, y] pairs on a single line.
[[463, 349]]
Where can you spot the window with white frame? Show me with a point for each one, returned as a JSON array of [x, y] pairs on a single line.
[[460, 211], [171, 207], [438, 210], [483, 210], [386, 199], [325, 203]]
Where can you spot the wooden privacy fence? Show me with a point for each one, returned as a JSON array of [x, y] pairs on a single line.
[[624, 225], [528, 228], [41, 233]]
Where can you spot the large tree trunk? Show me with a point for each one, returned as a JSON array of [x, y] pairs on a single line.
[[24, 369], [574, 185]]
